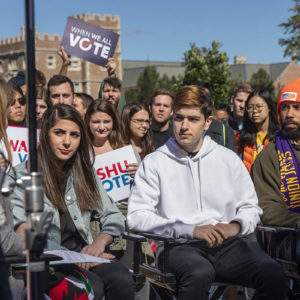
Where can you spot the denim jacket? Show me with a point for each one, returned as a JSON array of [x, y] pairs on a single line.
[[10, 241], [110, 218]]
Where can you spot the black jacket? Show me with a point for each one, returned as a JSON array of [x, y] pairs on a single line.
[[222, 134]]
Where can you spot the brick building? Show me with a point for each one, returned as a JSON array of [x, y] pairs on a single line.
[[85, 75]]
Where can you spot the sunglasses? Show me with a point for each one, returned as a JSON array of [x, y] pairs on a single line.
[[21, 100]]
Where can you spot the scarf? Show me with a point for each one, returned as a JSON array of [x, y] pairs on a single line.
[[289, 173]]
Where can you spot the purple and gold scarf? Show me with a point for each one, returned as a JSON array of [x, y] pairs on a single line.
[[289, 172]]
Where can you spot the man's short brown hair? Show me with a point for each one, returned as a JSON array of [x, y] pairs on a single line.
[[85, 98], [244, 87], [58, 80], [194, 96], [158, 93]]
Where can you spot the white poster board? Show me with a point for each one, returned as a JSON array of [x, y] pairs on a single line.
[[18, 139], [112, 171]]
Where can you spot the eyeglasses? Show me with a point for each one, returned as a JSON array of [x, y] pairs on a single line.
[[258, 107], [141, 121], [21, 100]]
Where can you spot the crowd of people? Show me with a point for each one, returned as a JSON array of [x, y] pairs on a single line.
[[208, 177]]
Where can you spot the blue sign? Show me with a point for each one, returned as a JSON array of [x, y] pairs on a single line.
[[89, 42]]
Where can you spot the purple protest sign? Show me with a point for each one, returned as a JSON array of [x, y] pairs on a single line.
[[89, 42]]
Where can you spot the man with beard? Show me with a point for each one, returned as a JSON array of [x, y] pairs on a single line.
[[60, 90], [276, 171], [111, 90]]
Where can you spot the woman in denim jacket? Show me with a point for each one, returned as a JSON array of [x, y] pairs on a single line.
[[74, 193]]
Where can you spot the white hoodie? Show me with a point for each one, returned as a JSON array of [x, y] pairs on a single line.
[[173, 193]]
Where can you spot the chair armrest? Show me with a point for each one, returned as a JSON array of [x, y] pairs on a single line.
[[16, 259], [157, 237], [277, 229], [265, 229], [134, 237], [21, 259], [279, 242]]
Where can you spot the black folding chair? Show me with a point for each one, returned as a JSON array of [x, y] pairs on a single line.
[[161, 279], [280, 243], [138, 276], [11, 262]]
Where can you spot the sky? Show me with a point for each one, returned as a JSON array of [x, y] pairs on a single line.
[[163, 30]]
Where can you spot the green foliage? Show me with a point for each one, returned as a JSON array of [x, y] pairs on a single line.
[[168, 83], [148, 82], [208, 65], [233, 83], [262, 80], [291, 28], [131, 95]]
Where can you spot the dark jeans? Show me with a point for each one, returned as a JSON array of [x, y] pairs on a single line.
[[239, 261], [111, 280]]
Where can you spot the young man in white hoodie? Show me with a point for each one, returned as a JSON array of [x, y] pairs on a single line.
[[200, 193]]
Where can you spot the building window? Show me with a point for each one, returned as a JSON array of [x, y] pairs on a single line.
[[77, 87], [51, 62], [74, 64]]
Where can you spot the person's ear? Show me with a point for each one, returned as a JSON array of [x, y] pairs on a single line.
[[208, 122]]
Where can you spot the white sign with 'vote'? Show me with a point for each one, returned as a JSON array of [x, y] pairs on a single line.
[[18, 140], [111, 167]]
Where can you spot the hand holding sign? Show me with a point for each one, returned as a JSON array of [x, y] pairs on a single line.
[[111, 66], [63, 55], [132, 168], [89, 42], [112, 169]]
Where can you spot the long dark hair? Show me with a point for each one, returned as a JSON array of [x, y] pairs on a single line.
[[115, 137], [6, 94], [249, 131], [128, 111], [80, 167]]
